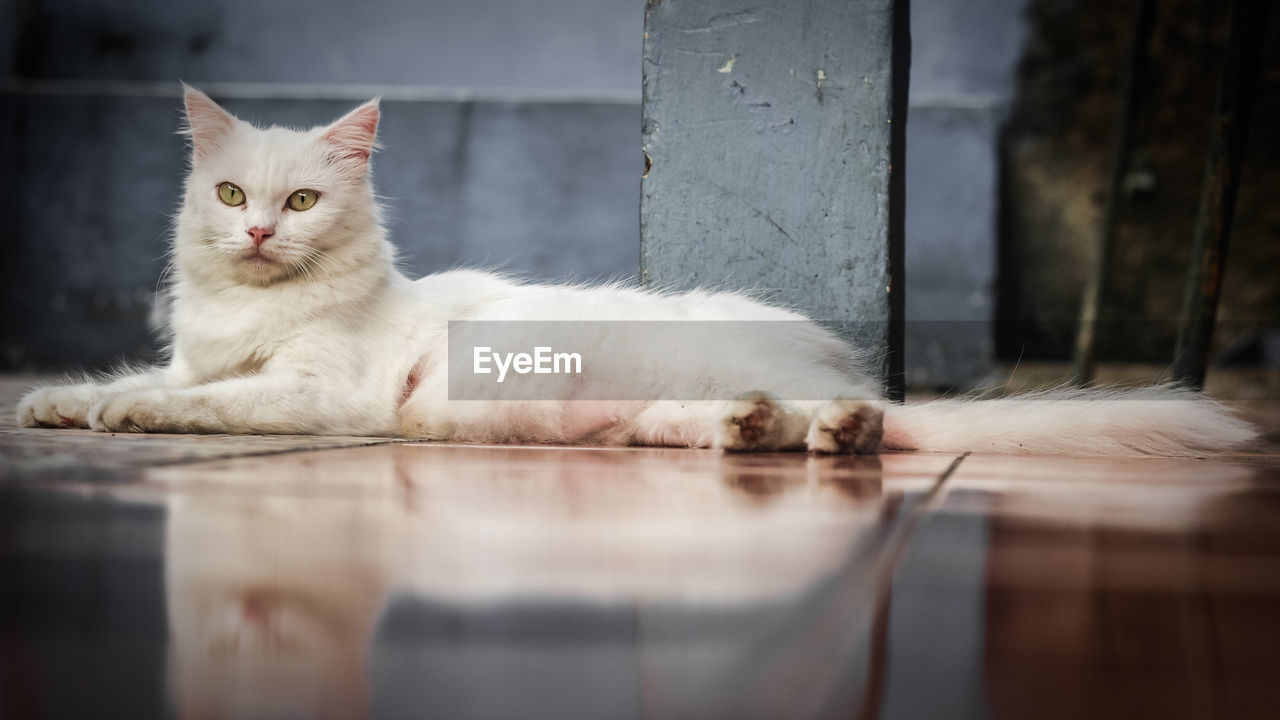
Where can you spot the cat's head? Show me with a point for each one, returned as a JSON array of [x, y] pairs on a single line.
[[267, 204]]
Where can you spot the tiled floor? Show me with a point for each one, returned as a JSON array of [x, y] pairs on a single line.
[[348, 577]]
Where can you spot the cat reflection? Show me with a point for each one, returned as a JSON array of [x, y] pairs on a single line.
[[270, 611], [274, 595]]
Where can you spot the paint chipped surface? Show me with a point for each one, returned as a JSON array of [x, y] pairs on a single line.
[[765, 154]]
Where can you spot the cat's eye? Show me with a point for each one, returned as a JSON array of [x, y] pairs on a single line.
[[230, 194], [303, 200]]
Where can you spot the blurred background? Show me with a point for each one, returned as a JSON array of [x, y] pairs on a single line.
[[512, 136]]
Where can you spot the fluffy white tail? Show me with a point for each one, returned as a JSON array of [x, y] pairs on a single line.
[[1165, 420]]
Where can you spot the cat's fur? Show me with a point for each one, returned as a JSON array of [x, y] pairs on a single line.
[[317, 332]]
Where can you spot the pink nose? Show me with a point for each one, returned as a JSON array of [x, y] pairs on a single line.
[[260, 235]]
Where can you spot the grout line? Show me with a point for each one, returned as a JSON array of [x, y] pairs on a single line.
[[900, 536], [895, 549], [945, 476]]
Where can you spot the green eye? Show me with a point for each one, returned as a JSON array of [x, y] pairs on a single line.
[[230, 194], [303, 200]]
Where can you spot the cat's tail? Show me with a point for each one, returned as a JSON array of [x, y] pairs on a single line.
[[1164, 420]]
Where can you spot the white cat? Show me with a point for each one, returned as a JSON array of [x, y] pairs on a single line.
[[290, 317]]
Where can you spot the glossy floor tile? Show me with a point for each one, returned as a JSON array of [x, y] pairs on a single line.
[[416, 580]]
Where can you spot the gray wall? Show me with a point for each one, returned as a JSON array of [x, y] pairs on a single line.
[[511, 133], [580, 44], [963, 72]]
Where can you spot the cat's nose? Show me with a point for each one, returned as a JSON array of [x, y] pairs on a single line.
[[260, 235]]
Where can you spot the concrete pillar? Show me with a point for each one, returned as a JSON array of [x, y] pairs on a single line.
[[772, 134]]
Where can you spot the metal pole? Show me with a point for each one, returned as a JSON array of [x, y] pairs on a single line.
[[1218, 191], [1132, 89], [896, 372]]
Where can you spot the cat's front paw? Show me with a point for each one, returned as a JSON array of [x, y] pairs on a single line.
[[846, 426], [66, 406], [137, 411]]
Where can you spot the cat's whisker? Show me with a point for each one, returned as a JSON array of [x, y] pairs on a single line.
[[305, 265], [310, 269], [320, 261], [165, 272]]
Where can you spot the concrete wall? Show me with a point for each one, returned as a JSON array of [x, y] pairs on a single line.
[[963, 71], [589, 45], [511, 134]]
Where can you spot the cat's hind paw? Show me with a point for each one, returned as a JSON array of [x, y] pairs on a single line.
[[846, 426], [65, 406], [752, 422]]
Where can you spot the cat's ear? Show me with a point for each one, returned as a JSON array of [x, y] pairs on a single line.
[[207, 123], [353, 137]]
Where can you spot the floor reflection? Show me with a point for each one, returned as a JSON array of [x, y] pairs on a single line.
[[542, 582], [474, 582], [1128, 589]]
